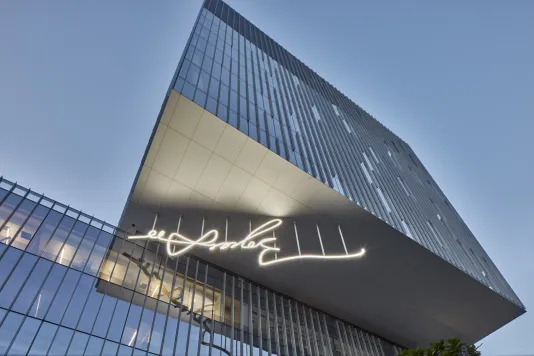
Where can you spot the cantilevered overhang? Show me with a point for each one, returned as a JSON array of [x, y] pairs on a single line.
[[197, 165]]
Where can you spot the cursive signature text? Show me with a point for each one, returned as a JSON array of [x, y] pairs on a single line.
[[178, 244]]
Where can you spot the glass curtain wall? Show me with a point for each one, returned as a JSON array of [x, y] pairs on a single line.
[[71, 284]]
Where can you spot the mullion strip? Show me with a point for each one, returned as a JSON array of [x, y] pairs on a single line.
[[181, 304], [200, 335], [191, 308]]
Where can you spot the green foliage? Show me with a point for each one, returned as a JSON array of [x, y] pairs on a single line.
[[451, 347]]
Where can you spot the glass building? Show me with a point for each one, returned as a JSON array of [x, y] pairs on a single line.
[[270, 215]]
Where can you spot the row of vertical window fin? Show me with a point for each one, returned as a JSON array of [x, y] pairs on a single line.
[[367, 166], [135, 309], [260, 62], [314, 109], [62, 258]]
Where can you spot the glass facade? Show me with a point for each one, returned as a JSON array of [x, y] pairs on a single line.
[[242, 76], [72, 284]]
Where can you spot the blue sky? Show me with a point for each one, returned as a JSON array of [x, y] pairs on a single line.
[[81, 84]]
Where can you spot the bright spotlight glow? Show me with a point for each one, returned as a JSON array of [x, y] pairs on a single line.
[[132, 339], [155, 290]]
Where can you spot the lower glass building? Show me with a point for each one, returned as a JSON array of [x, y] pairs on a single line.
[[72, 284]]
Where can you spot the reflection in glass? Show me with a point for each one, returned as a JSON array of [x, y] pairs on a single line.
[[78, 343], [47, 292], [8, 330], [62, 298], [8, 262], [61, 341], [20, 344], [66, 251], [43, 339], [14, 283], [18, 218], [32, 224], [46, 230], [85, 248], [32, 286], [53, 246]]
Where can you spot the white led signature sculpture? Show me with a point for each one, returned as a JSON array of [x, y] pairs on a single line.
[[256, 239]]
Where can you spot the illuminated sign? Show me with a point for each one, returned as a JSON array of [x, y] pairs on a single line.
[[178, 244]]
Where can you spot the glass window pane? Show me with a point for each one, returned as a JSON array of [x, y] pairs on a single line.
[[200, 98], [62, 298], [158, 329], [3, 193], [112, 254], [222, 112], [29, 228], [99, 251], [19, 217], [197, 57], [8, 330], [8, 262], [214, 88], [91, 309], [193, 74], [68, 250], [132, 322], [110, 348], [61, 342], [130, 279], [46, 230], [139, 353], [203, 81], [188, 90], [47, 292], [124, 351], [170, 331], [224, 93], [105, 313], [144, 331], [210, 50], [60, 235], [44, 338], [119, 316], [94, 347], [8, 206], [6, 209], [18, 277], [77, 345], [85, 248], [118, 270], [77, 302], [211, 105], [25, 335], [32, 286]]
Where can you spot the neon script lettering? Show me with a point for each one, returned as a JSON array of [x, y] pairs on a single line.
[[178, 244]]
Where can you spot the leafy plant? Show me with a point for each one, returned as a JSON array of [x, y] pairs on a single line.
[[451, 347]]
